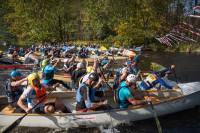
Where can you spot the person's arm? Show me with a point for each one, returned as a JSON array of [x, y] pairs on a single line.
[[124, 75], [21, 104], [139, 102], [56, 63], [17, 83], [89, 104], [68, 69], [96, 105], [98, 84], [107, 64], [87, 63], [95, 65], [159, 80], [23, 97]]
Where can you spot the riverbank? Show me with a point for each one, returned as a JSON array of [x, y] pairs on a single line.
[[181, 48]]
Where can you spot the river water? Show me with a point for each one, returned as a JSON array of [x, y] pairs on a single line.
[[187, 70]]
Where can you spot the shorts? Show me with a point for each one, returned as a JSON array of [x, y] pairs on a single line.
[[40, 110]]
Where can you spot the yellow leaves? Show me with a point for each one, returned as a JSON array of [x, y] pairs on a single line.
[[117, 43]]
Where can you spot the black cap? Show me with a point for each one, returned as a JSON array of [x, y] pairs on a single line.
[[94, 76]]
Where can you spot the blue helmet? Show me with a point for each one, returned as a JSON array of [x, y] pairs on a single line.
[[104, 62], [10, 46], [14, 47], [15, 73]]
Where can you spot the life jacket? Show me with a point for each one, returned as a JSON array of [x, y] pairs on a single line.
[[47, 75], [79, 96], [13, 93], [116, 79], [81, 79], [116, 96], [40, 93], [150, 79]]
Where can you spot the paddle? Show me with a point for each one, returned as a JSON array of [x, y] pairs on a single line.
[[104, 77], [107, 98], [154, 113], [17, 122], [175, 76]]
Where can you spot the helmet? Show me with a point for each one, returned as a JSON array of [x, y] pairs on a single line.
[[94, 76], [1, 52], [31, 77], [131, 56], [66, 60], [132, 78], [10, 46], [103, 62], [80, 65], [14, 47], [45, 62], [89, 69], [15, 73], [53, 62]]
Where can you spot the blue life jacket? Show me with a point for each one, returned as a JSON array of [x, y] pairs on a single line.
[[79, 96]]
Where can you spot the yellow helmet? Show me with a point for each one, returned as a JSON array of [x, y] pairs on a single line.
[[31, 77], [89, 69], [1, 52]]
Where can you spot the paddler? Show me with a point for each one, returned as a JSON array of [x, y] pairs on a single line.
[[154, 78], [34, 93], [48, 74], [22, 52], [14, 87], [69, 66], [10, 50], [124, 97], [85, 96]]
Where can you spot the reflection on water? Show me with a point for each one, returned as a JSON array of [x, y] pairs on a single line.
[[187, 70]]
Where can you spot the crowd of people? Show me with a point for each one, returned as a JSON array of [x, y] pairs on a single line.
[[86, 80]]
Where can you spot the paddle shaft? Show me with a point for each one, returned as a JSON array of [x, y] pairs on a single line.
[[17, 122], [104, 77], [154, 113], [108, 108], [175, 76]]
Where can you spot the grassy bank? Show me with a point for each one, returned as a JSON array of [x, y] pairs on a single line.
[[181, 48]]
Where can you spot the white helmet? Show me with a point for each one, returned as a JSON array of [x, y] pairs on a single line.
[[80, 65], [132, 78], [66, 60], [53, 62]]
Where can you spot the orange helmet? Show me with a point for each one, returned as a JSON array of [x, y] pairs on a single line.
[[131, 56]]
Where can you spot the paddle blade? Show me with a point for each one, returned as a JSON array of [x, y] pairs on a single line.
[[12, 126]]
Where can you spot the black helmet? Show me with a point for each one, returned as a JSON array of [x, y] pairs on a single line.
[[94, 76]]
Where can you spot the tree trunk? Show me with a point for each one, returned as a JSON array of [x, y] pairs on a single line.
[[60, 26]]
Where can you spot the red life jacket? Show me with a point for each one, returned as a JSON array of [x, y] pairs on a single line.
[[40, 93]]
